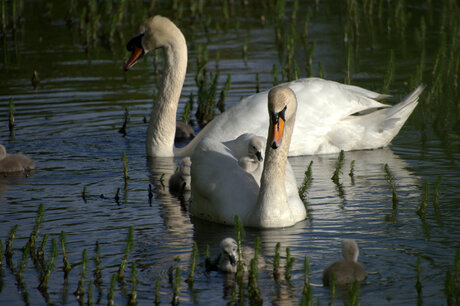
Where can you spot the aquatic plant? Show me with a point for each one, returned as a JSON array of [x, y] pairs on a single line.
[[306, 182], [67, 266], [129, 243]]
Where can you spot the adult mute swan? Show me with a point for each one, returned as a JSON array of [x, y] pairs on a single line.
[[221, 189], [14, 162], [332, 116], [348, 270]]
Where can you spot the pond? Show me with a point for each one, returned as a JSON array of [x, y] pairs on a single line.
[[69, 125]]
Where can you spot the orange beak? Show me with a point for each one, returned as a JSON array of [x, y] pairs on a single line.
[[277, 133], [136, 54]]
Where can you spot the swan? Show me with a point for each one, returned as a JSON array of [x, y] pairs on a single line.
[[228, 257], [332, 116], [221, 189], [14, 162], [348, 270]]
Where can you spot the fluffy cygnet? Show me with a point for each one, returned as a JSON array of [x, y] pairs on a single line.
[[180, 181], [14, 162], [183, 131], [348, 270], [228, 257]]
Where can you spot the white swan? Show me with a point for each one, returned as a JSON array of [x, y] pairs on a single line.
[[348, 270], [327, 111], [228, 257], [221, 189], [14, 162]]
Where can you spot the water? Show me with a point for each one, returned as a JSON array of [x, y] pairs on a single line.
[[69, 124]]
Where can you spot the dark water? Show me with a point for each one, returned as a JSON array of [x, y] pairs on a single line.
[[69, 126]]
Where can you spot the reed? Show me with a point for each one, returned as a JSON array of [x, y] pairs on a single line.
[[289, 264], [176, 291], [389, 177], [224, 93], [67, 266], [276, 262], [353, 293], [129, 242], [307, 294], [111, 294], [11, 115], [150, 194], [80, 292], [338, 167], [255, 296], [390, 73], [418, 283], [352, 172], [9, 246], [133, 294], [38, 221], [22, 264], [275, 74], [162, 180], [40, 255], [437, 184], [306, 182], [43, 286], [122, 130], [193, 263], [1, 258], [421, 211], [187, 109], [257, 82], [89, 293], [83, 194], [157, 293], [125, 167]]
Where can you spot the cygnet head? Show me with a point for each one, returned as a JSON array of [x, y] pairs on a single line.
[[350, 250], [256, 147], [282, 106], [185, 165], [228, 255], [155, 32]]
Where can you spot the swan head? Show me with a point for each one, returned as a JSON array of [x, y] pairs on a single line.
[[228, 255], [350, 250], [155, 32], [282, 106], [255, 147]]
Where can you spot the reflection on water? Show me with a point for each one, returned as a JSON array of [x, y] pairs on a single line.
[[69, 126]]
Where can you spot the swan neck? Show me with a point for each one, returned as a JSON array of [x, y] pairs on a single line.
[[272, 201], [162, 126]]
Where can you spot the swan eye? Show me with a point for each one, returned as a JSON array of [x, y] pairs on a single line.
[[281, 114]]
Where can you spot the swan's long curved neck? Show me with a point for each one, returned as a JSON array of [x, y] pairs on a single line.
[[162, 126], [272, 201]]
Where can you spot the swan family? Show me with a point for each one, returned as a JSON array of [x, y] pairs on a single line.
[[222, 189]]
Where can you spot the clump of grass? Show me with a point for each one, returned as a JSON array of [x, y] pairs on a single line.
[[67, 266], [306, 182], [80, 292], [129, 242], [338, 167]]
